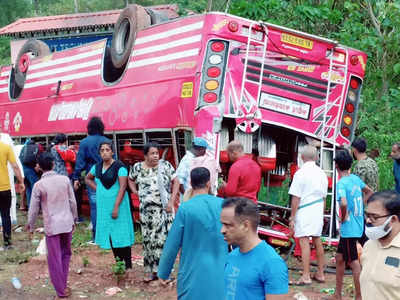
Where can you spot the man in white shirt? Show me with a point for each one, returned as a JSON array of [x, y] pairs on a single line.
[[309, 188]]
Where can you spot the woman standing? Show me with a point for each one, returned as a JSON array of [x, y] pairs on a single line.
[[114, 221], [151, 180]]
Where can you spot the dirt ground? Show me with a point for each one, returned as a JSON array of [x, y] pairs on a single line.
[[91, 274]]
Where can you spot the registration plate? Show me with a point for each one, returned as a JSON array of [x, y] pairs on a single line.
[[279, 242], [297, 41]]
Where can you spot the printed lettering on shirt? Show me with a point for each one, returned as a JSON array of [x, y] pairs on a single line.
[[358, 206], [356, 189], [232, 281]]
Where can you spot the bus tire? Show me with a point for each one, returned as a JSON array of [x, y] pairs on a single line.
[[31, 49], [132, 19]]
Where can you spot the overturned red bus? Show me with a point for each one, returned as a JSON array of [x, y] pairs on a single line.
[[213, 75]]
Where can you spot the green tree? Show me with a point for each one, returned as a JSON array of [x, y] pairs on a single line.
[[371, 26], [10, 11]]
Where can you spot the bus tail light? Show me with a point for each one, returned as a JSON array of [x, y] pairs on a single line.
[[215, 59], [349, 114], [211, 85], [217, 46], [349, 107], [354, 83], [210, 97], [345, 131], [213, 72], [347, 120], [233, 26], [354, 60]]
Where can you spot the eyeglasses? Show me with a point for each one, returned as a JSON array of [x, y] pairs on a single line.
[[373, 217]]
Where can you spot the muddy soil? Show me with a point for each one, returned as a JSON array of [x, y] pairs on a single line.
[[91, 274]]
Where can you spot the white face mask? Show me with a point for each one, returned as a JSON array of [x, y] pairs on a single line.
[[378, 232]]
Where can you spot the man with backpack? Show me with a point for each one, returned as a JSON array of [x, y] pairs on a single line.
[[88, 155], [28, 158]]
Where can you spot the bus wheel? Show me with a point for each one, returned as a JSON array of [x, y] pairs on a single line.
[[130, 21], [31, 49]]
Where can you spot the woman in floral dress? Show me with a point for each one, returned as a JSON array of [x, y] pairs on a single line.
[[152, 180]]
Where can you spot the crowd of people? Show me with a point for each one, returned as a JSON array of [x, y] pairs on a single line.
[[214, 225]]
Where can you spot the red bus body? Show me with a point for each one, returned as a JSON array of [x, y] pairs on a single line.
[[202, 74]]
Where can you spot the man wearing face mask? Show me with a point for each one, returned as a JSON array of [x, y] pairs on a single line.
[[395, 154], [380, 259]]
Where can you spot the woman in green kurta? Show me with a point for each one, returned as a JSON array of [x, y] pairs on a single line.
[[114, 220], [151, 180]]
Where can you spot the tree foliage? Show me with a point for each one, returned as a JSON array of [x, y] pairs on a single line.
[[371, 26]]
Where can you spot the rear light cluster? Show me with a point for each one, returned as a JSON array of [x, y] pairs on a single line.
[[351, 107], [213, 72]]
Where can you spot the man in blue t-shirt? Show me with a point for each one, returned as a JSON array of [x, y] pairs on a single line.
[[349, 194], [253, 270]]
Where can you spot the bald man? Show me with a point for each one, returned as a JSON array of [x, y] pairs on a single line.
[[244, 178], [309, 189]]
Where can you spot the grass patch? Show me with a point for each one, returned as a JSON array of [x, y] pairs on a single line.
[[16, 257], [138, 237], [85, 261], [81, 236]]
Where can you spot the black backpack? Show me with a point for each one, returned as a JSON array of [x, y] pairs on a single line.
[[29, 154]]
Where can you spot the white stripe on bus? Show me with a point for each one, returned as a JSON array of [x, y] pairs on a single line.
[[135, 64], [173, 44], [141, 40], [65, 69], [168, 33], [64, 78], [159, 59], [64, 60]]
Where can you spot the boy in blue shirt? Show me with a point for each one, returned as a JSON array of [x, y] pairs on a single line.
[[253, 270], [349, 194]]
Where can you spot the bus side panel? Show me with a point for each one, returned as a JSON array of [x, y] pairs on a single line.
[[156, 105]]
